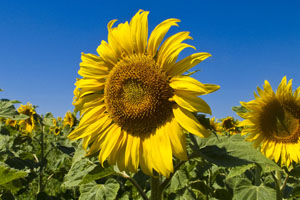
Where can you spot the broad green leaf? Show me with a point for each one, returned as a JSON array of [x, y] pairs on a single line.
[[97, 173], [8, 174], [236, 171], [13, 186], [78, 170], [252, 192], [5, 142], [231, 151], [179, 180], [81, 166], [94, 191], [7, 110], [48, 119], [239, 109]]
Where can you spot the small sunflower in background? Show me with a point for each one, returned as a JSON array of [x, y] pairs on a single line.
[[11, 122], [27, 125], [69, 120], [56, 129], [230, 125], [273, 122], [215, 125], [134, 101]]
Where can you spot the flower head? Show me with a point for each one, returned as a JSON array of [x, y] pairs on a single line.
[[56, 129], [69, 119], [230, 125], [27, 125], [134, 101], [215, 125], [11, 122], [273, 122]]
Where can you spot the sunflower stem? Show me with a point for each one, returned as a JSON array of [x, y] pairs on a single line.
[[278, 180], [284, 184], [41, 162], [138, 187], [156, 192]]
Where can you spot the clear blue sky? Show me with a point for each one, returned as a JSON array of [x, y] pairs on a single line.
[[41, 43]]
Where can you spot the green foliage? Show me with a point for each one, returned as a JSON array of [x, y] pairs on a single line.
[[7, 110], [42, 165], [252, 192], [94, 191], [231, 151]]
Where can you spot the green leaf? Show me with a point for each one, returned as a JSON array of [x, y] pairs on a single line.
[[77, 172], [5, 142], [252, 192], [239, 109], [48, 119], [94, 191], [8, 174], [97, 173], [231, 152], [7, 110], [178, 181], [236, 171], [81, 166]]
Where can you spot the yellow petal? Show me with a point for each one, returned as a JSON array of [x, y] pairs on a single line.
[[87, 129], [139, 31], [112, 158], [146, 161], [121, 153], [171, 56], [122, 33], [112, 135], [135, 153], [173, 43], [187, 63], [92, 115], [129, 142], [270, 150], [158, 160], [277, 151], [189, 84], [107, 54], [189, 122], [191, 102], [177, 138], [92, 66], [158, 35], [165, 148], [86, 84]]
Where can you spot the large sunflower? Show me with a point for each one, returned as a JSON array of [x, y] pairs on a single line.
[[273, 122], [134, 101]]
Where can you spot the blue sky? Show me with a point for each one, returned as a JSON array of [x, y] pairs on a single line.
[[250, 41]]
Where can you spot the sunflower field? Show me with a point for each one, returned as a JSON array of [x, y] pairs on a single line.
[[140, 130]]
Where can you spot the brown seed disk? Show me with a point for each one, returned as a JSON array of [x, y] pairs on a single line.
[[137, 95], [279, 122]]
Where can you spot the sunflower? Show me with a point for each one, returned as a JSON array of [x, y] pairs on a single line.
[[215, 125], [55, 129], [230, 125], [134, 101], [27, 125], [11, 122], [69, 119], [273, 122]]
